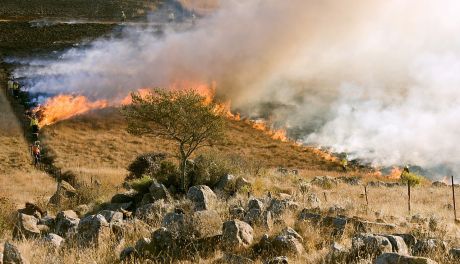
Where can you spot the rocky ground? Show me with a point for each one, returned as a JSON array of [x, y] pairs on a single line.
[[151, 223]]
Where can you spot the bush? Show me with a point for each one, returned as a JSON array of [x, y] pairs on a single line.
[[208, 168], [168, 174], [145, 164], [141, 185], [411, 178]]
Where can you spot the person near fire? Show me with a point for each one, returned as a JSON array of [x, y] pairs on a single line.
[[34, 124], [344, 163], [36, 152]]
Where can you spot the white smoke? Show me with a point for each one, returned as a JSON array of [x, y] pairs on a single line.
[[378, 79]]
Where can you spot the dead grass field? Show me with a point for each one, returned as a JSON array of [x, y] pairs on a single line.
[[19, 180]]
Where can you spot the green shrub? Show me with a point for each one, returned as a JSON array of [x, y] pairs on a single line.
[[411, 178], [141, 185], [209, 167], [168, 174]]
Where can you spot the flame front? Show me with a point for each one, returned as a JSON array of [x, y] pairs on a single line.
[[65, 106]]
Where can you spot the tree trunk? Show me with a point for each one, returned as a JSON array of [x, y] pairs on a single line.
[[183, 169]]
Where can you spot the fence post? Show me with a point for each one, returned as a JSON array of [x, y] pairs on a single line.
[[453, 198], [408, 195], [325, 196], [365, 193]]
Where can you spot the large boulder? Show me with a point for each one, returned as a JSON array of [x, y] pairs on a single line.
[[398, 244], [92, 229], [371, 245], [66, 223], [174, 222], [287, 244], [280, 206], [64, 192], [254, 203], [112, 216], [204, 224], [54, 241], [158, 191], [237, 235], [426, 246], [11, 255], [256, 217], [202, 196], [152, 213], [26, 227], [394, 258]]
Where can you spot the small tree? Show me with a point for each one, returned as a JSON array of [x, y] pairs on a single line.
[[181, 116]]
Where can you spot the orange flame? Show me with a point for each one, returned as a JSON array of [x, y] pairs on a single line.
[[65, 106], [395, 173], [276, 134]]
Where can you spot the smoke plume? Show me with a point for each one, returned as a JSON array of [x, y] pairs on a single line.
[[377, 79]]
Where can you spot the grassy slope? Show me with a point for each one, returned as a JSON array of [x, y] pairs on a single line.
[[97, 145], [19, 181]]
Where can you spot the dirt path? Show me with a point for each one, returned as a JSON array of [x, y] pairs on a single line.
[[19, 180]]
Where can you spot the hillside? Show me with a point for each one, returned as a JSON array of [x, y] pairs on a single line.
[[96, 145]]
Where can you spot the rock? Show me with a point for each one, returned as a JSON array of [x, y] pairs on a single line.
[[336, 210], [11, 255], [354, 181], [146, 164], [394, 258], [286, 244], [325, 182], [439, 184], [279, 207], [163, 240], [82, 210], [54, 240], [419, 219], [112, 216], [426, 246], [235, 259], [66, 223], [204, 224], [48, 221], [92, 229], [152, 213], [227, 184], [278, 260], [254, 203], [242, 183], [369, 244], [398, 244], [174, 223], [126, 197], [142, 245], [310, 215], [455, 253], [64, 191], [26, 227], [127, 254], [409, 239], [118, 206], [237, 235], [313, 201], [255, 217], [237, 213], [337, 254], [375, 184], [368, 226], [33, 210], [287, 231], [337, 223], [158, 191], [202, 197]]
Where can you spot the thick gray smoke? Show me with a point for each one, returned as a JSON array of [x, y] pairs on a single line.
[[378, 79]]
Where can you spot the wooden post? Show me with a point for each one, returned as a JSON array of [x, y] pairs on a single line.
[[365, 193], [408, 195], [453, 198], [325, 197]]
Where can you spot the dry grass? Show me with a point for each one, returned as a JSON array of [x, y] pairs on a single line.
[[19, 180]]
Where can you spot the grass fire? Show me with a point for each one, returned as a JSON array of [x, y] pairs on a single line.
[[207, 131]]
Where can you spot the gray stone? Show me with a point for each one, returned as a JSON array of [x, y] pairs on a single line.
[[227, 184], [279, 207], [394, 258], [66, 223], [54, 240], [287, 245], [242, 183], [202, 197], [398, 245], [204, 224], [313, 201], [92, 229], [11, 255], [237, 235], [287, 231], [112, 216], [159, 191], [325, 182], [26, 227], [152, 213], [237, 213], [48, 221], [235, 259], [369, 244], [82, 210], [256, 217], [174, 223], [368, 226], [64, 192], [455, 253], [163, 240], [426, 246], [254, 203], [142, 245], [278, 260]]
